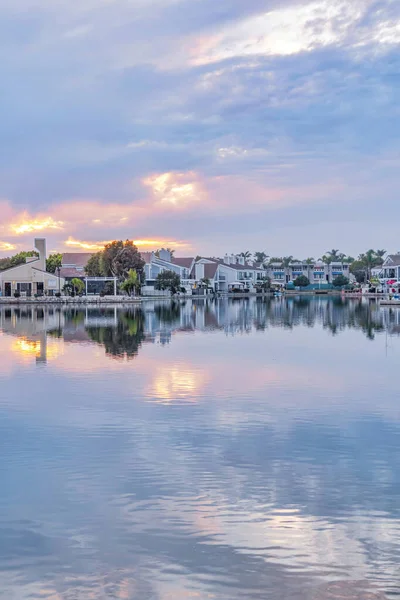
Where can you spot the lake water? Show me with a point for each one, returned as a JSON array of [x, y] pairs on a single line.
[[241, 449]]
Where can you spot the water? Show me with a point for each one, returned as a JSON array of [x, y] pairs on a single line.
[[227, 450]]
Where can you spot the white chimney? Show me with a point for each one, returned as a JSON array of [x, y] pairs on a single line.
[[226, 259], [40, 245], [165, 255], [241, 260], [232, 259]]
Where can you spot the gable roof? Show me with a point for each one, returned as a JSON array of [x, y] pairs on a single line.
[[393, 260], [78, 259], [146, 256], [186, 262], [235, 267], [210, 270], [32, 262]]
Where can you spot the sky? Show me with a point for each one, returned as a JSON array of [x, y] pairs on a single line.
[[206, 126]]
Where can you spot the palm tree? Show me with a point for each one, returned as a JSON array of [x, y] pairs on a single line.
[[131, 283], [260, 257], [246, 255], [287, 260], [310, 261]]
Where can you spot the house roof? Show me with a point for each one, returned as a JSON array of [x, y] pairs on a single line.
[[185, 262], [78, 259], [236, 267], [71, 272], [20, 265], [210, 270], [146, 256], [394, 260]]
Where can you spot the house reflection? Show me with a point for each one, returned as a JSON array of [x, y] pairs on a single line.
[[123, 331]]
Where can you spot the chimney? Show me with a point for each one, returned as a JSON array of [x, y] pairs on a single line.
[[165, 255], [40, 246], [241, 260], [226, 259], [232, 259]]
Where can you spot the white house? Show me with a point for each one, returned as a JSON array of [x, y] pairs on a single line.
[[390, 268], [164, 261], [31, 277], [231, 272]]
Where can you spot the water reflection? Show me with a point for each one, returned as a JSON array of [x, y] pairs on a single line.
[[221, 449], [122, 331]]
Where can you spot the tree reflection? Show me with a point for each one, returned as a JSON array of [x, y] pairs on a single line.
[[125, 338]]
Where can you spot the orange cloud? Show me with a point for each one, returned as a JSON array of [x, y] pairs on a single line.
[[27, 225], [6, 246], [96, 246]]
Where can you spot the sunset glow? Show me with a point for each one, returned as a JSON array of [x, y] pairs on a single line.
[[35, 225]]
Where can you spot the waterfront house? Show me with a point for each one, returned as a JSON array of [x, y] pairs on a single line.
[[318, 273], [164, 261], [230, 272], [31, 277], [390, 269]]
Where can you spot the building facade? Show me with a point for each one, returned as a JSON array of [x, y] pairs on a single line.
[[318, 273], [31, 278]]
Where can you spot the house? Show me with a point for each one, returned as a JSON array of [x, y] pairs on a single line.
[[230, 272], [73, 264], [390, 268], [164, 261], [318, 273], [31, 277]]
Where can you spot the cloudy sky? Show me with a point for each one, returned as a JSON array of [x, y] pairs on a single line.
[[206, 125]]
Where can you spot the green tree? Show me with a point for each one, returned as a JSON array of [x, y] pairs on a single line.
[[17, 259], [131, 283], [260, 257], [357, 268], [53, 262], [287, 260], [340, 281], [264, 284], [301, 281], [119, 257], [246, 255], [205, 282], [77, 285], [168, 280], [94, 267], [309, 261], [275, 260]]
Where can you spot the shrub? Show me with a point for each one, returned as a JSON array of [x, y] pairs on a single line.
[[17, 294], [57, 295], [301, 281], [340, 281]]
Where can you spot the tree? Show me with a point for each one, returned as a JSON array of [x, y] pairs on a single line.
[[119, 257], [205, 282], [301, 281], [168, 280], [310, 261], [246, 255], [53, 262], [93, 267], [340, 281], [77, 285], [357, 268], [264, 284], [260, 257], [274, 260], [131, 283], [17, 259], [287, 260]]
